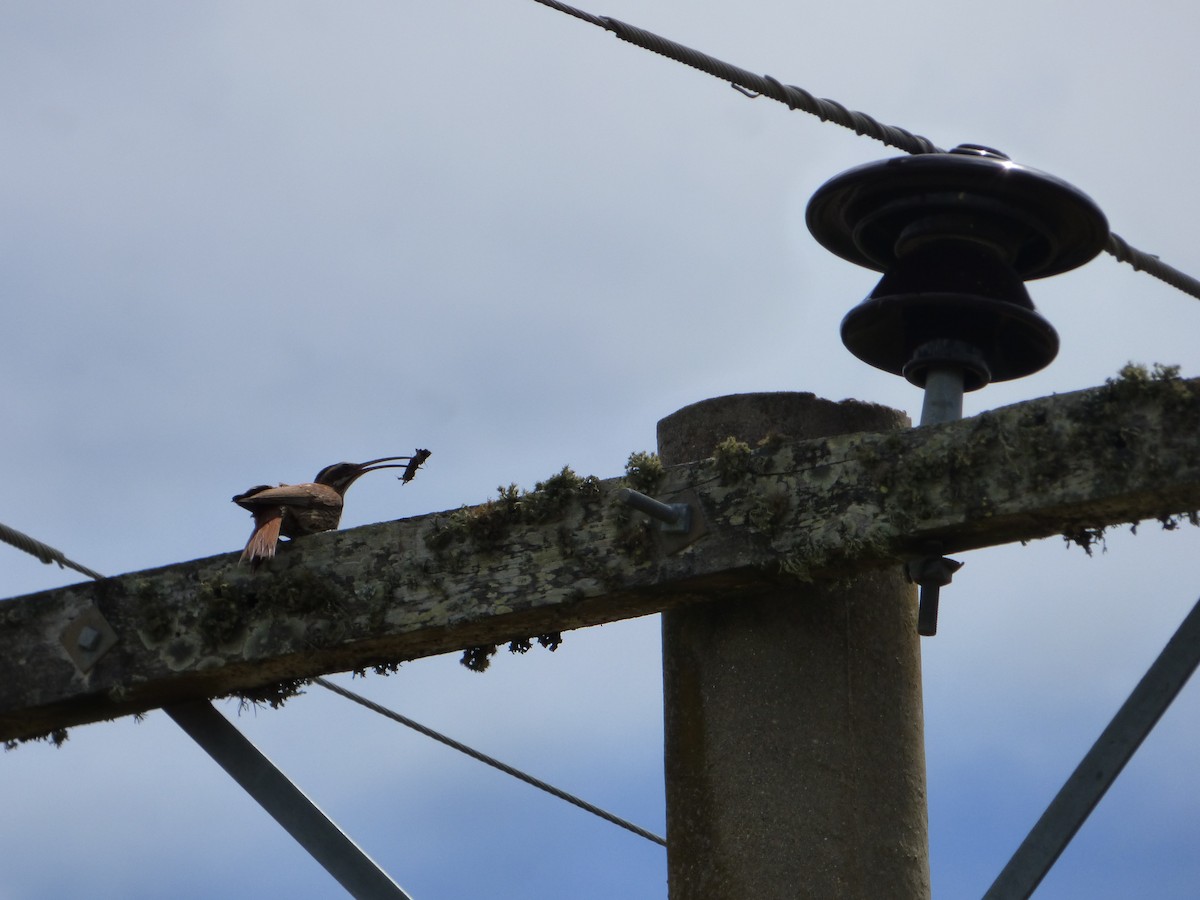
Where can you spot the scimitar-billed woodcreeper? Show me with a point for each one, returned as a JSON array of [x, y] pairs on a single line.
[[296, 510]]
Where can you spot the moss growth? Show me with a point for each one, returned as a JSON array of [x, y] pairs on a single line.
[[643, 471], [732, 459], [442, 534], [552, 497], [488, 525], [1087, 538], [1136, 375], [57, 738], [1135, 380], [1170, 523], [272, 695], [384, 668], [479, 658]]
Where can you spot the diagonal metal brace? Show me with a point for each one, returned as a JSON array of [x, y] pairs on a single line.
[[1102, 764], [327, 844]]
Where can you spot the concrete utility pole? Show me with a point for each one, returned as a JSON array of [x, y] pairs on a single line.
[[795, 763]]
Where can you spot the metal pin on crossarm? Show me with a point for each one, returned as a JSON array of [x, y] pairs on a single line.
[[672, 517]]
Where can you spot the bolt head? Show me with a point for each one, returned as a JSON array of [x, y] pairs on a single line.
[[89, 638]]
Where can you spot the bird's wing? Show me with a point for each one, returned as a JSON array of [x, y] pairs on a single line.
[[288, 495]]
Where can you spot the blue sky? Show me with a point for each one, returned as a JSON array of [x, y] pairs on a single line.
[[239, 242]]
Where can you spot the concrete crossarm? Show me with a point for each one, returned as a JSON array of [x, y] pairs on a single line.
[[571, 555]]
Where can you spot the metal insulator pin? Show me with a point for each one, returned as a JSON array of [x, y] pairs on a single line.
[[674, 517]]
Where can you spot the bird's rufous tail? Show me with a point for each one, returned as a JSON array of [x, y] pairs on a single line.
[[266, 535]]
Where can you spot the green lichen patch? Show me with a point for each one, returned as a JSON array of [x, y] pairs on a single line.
[[769, 508], [223, 610], [155, 618], [231, 609], [634, 536], [300, 593]]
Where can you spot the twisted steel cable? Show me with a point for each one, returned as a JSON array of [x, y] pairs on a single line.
[[1151, 265], [494, 763], [790, 95], [831, 111], [44, 552]]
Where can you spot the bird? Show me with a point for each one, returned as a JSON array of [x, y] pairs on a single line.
[[296, 510]]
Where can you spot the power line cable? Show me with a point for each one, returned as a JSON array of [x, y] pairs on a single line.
[[790, 95], [831, 111], [494, 763], [1151, 265], [44, 552]]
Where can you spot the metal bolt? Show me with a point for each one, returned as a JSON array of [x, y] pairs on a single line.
[[675, 517], [86, 638], [89, 639], [932, 573]]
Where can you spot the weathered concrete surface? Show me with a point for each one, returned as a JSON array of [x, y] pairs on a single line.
[[569, 555], [795, 762]]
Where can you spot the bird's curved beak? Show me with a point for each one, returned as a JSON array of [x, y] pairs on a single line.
[[409, 464], [396, 462]]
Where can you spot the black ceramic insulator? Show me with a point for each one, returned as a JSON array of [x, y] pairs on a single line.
[[956, 235]]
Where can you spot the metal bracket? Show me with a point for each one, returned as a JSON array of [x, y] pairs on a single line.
[[87, 638]]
